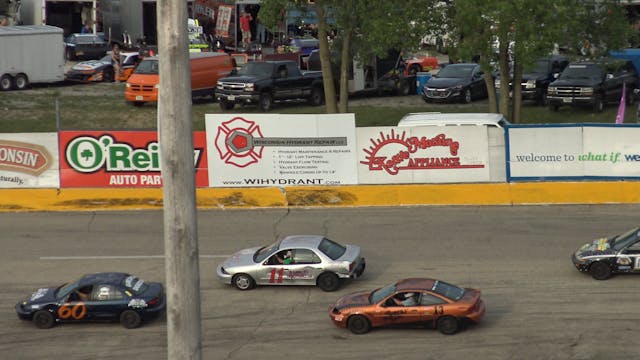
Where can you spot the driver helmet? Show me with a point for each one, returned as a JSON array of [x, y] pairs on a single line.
[[408, 295]]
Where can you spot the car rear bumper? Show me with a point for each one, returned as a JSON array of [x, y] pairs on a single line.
[[478, 313], [359, 269]]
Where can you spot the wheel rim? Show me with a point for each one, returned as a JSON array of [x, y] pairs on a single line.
[[5, 83], [242, 282], [21, 82], [358, 324], [328, 282], [448, 325]]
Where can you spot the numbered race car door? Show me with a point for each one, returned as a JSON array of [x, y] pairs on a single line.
[[106, 302], [400, 308], [431, 307], [73, 308], [271, 271], [304, 268]]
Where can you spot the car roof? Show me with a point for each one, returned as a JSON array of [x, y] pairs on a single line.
[[415, 284], [113, 278], [308, 241], [443, 119]]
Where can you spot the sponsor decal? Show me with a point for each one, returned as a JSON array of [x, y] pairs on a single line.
[[24, 157], [38, 294], [397, 152], [137, 304]]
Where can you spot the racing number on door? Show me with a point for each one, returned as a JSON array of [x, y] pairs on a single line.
[[77, 311], [276, 275]]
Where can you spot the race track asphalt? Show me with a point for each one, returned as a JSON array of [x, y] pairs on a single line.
[[538, 305]]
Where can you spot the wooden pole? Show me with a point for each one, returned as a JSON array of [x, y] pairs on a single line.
[[176, 150]]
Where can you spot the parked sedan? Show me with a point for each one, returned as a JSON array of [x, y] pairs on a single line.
[[295, 260], [409, 302], [102, 70], [85, 46], [95, 297], [456, 82], [606, 256]]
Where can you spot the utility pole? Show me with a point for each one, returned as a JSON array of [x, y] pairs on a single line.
[[175, 136]]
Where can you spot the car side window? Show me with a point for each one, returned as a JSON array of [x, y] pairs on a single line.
[[427, 299], [305, 256], [106, 292], [633, 248]]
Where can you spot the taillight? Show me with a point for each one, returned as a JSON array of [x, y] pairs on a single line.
[[153, 302], [351, 266]]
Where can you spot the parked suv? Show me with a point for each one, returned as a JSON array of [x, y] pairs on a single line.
[[593, 83], [535, 81]]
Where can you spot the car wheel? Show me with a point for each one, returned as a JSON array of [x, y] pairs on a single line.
[[266, 102], [467, 96], [598, 104], [414, 69], [6, 82], [130, 319], [317, 96], [358, 324], [43, 319], [448, 325], [107, 75], [227, 105], [328, 281], [21, 81], [243, 282], [600, 271]]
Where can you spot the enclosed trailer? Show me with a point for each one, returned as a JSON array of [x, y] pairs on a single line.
[[30, 54]]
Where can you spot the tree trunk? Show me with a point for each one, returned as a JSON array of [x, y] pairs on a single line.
[[345, 62], [325, 60], [505, 76], [491, 92], [517, 92]]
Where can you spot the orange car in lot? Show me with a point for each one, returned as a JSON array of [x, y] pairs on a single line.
[[410, 301]]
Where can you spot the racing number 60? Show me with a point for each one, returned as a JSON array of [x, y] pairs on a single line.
[[76, 311]]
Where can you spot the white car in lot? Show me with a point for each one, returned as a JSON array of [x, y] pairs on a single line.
[[295, 260]]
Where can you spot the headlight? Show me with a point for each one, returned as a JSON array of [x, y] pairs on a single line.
[[249, 87], [497, 83], [552, 90], [531, 84], [127, 85], [578, 257], [587, 91], [157, 86]]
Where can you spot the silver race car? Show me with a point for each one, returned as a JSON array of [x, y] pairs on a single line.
[[295, 260]]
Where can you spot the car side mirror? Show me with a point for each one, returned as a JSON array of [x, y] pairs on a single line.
[[609, 76]]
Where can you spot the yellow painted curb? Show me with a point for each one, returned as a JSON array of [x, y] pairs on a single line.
[[621, 192]]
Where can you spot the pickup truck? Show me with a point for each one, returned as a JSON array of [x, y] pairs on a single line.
[[266, 82], [593, 83]]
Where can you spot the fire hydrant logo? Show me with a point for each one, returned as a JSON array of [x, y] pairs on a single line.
[[235, 142]]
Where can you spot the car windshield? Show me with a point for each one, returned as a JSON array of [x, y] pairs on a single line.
[[447, 290], [332, 249], [623, 240], [256, 69], [147, 66], [133, 283], [106, 58], [65, 289], [379, 294], [576, 72], [265, 251], [456, 71]]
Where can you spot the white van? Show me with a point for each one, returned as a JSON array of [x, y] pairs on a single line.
[[453, 119]]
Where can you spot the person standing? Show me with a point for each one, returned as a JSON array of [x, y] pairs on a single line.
[[245, 28], [86, 29], [116, 61]]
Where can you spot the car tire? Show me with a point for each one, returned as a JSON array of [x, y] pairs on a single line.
[[600, 271], [328, 282], [358, 324], [243, 282], [21, 81], [6, 82], [317, 96], [598, 104], [43, 319], [266, 102], [467, 96], [414, 69], [227, 105], [130, 319], [448, 325], [108, 75]]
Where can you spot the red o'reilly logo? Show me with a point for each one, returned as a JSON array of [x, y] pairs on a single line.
[[24, 157]]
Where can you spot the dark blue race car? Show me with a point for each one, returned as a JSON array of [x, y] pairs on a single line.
[[95, 297]]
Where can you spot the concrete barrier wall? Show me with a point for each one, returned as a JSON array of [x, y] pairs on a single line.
[[622, 192]]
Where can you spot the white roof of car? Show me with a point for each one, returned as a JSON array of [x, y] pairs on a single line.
[[452, 119]]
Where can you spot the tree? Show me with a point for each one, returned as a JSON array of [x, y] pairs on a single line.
[[513, 34], [363, 28]]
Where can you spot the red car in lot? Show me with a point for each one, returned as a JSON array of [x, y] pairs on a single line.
[[409, 301]]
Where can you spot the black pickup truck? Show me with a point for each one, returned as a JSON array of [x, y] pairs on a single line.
[[593, 83], [266, 82]]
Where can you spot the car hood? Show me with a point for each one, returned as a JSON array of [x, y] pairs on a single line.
[[88, 65], [444, 82], [241, 258], [244, 79], [352, 300], [41, 296], [575, 82], [596, 247]]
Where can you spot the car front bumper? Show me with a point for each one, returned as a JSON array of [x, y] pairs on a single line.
[[22, 313], [441, 95], [237, 98], [223, 276], [582, 266]]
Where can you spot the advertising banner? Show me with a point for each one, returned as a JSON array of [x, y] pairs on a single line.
[[122, 159], [423, 154], [29, 160], [248, 150], [224, 20], [576, 151]]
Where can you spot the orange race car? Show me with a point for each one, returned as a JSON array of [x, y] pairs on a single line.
[[418, 63], [409, 301]]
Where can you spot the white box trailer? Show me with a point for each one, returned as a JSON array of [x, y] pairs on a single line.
[[30, 54]]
